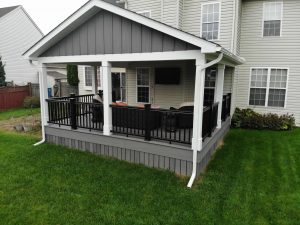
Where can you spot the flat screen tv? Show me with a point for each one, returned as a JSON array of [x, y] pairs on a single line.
[[167, 76]]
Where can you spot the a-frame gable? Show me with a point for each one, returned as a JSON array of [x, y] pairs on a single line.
[[108, 33]]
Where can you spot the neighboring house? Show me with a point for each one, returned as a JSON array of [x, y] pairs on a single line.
[[56, 75], [163, 66], [17, 33], [264, 32]]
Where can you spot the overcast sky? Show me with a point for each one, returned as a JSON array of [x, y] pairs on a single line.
[[47, 14]]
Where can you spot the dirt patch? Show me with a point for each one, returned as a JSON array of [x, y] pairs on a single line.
[[27, 124]]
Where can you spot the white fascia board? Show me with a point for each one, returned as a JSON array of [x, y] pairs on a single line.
[[232, 57], [131, 57], [206, 46]]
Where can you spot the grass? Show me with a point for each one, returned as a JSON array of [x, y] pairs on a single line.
[[254, 179], [17, 113]]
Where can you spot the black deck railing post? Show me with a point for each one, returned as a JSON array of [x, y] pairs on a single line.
[[224, 108], [211, 118], [147, 122], [73, 118], [229, 105]]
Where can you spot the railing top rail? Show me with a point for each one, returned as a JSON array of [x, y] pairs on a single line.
[[57, 100]]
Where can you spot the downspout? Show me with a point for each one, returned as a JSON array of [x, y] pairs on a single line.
[[42, 97], [195, 151]]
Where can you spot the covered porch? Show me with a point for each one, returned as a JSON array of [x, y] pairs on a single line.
[[150, 121]]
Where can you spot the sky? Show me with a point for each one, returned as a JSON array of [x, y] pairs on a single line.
[[47, 14]]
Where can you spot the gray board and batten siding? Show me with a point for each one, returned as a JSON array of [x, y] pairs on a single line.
[[108, 33], [175, 158]]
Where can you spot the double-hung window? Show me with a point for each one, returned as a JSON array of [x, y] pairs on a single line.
[[143, 85], [210, 26], [268, 87], [89, 72], [146, 13], [210, 84], [272, 19]]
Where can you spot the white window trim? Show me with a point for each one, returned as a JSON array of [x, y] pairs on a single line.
[[149, 86], [219, 30], [145, 11], [263, 19], [268, 87], [90, 88]]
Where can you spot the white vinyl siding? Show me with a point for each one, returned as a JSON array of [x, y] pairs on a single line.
[[18, 33], [270, 52], [170, 13], [191, 19], [146, 5], [166, 96]]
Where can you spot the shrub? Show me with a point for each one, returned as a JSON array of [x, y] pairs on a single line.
[[72, 75], [247, 118], [31, 102], [2, 74]]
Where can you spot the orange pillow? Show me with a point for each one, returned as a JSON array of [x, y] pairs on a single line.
[[121, 104]]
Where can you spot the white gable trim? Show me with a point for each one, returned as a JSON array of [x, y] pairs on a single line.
[[38, 48]]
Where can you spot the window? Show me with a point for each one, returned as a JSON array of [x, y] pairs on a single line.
[[145, 13], [210, 21], [210, 84], [268, 87], [143, 85], [272, 19], [88, 76]]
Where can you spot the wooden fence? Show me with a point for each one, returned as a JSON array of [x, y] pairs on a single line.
[[13, 97]]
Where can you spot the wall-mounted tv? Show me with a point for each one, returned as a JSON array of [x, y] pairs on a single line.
[[167, 76]]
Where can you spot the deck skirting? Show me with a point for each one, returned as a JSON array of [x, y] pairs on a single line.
[[175, 158]]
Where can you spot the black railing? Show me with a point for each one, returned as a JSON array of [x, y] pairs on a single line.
[[76, 111], [79, 98], [173, 126], [226, 105], [210, 120], [59, 112], [157, 124]]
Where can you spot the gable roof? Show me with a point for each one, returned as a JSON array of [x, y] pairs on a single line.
[[6, 10], [92, 7]]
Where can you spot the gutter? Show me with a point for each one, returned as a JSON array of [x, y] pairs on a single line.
[[42, 97], [195, 151]]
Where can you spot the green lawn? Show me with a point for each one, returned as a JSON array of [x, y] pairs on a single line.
[[16, 113], [254, 179]]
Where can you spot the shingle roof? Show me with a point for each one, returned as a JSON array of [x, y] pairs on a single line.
[[4, 11]]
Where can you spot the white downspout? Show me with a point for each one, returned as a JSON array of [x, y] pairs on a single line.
[[42, 99], [195, 151]]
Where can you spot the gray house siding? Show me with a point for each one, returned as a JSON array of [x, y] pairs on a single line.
[[107, 33], [261, 51]]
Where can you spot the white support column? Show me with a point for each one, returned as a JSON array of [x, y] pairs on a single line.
[[43, 93], [107, 97], [95, 81], [198, 104], [219, 92]]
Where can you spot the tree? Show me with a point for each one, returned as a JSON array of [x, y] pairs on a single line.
[[2, 74], [72, 75]]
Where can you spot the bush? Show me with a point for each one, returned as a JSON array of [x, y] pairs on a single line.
[[72, 75], [247, 118], [31, 102]]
